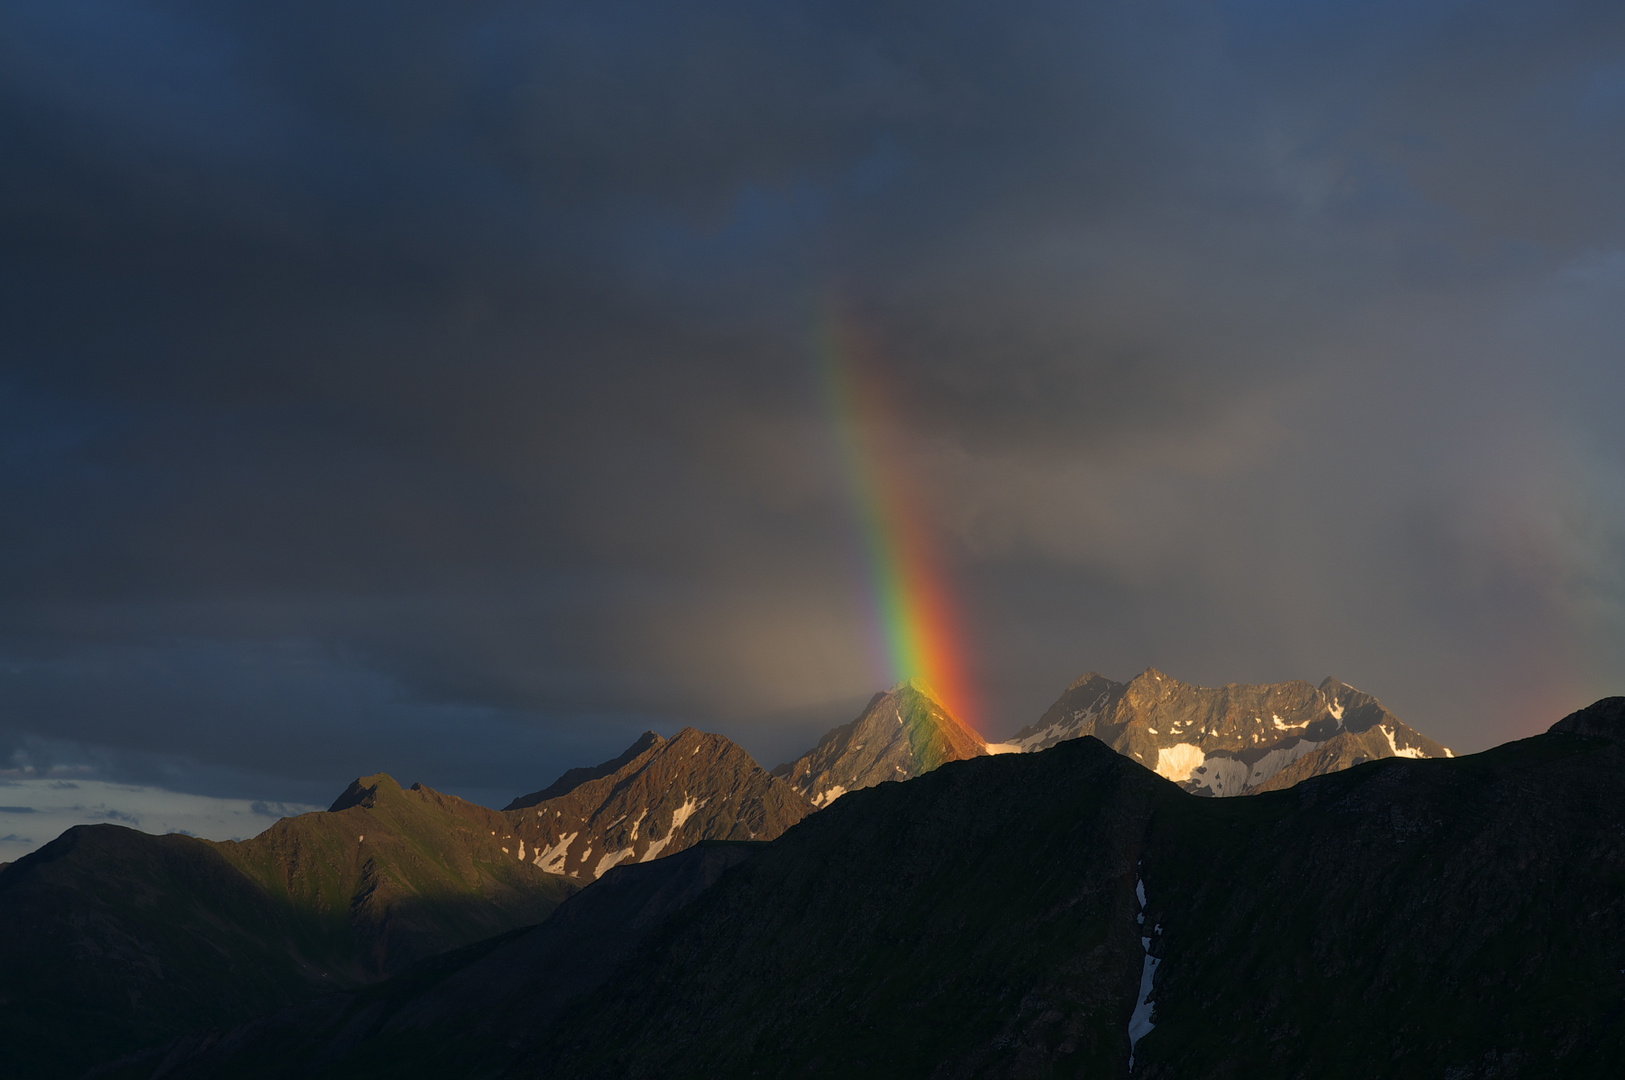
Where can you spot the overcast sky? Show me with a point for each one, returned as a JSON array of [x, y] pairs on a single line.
[[429, 386]]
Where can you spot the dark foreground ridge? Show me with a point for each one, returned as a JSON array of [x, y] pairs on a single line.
[[1460, 918], [467, 1013]]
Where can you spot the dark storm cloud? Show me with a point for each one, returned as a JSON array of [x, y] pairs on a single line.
[[429, 386]]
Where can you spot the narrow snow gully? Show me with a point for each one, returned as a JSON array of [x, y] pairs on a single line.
[[1141, 1022]]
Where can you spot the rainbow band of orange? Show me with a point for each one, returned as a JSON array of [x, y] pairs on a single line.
[[913, 605]]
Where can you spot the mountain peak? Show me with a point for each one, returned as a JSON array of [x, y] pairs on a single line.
[[364, 791], [574, 778], [677, 792], [901, 733]]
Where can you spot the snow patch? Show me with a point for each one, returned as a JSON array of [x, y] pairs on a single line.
[[656, 847], [641, 815], [521, 850], [683, 813], [824, 798], [1282, 725], [1177, 762], [1400, 751], [610, 860], [552, 859], [1140, 1022], [1003, 748], [1336, 710], [1223, 774], [1278, 759]]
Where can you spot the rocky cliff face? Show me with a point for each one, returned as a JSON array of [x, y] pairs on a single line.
[[664, 798], [902, 734], [1229, 740]]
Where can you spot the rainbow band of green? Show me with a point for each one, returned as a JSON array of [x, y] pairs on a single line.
[[912, 603]]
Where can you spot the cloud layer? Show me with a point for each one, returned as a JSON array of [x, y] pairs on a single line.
[[428, 386]]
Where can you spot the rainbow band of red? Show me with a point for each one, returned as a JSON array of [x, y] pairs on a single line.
[[913, 604]]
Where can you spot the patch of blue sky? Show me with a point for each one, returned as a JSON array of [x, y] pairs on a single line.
[[53, 807]]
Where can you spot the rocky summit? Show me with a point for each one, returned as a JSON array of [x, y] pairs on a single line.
[[1229, 740], [660, 797], [903, 733]]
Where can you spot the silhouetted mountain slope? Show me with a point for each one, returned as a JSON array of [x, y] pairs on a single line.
[[466, 1013], [1404, 918], [902, 733], [111, 938], [977, 920], [1460, 918], [666, 797], [1229, 740]]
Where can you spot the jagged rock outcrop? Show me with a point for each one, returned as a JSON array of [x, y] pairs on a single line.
[[903, 733], [1229, 740], [662, 799]]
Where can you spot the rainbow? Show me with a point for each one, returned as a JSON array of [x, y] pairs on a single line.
[[917, 621]]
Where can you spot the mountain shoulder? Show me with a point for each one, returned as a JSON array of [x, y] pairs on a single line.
[[574, 778], [1604, 719]]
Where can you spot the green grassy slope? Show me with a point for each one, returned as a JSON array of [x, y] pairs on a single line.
[[395, 876], [111, 938]]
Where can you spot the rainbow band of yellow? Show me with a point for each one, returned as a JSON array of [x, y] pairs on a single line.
[[913, 606]]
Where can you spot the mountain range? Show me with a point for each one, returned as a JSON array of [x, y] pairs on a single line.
[[1229, 740], [1060, 913], [139, 939]]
